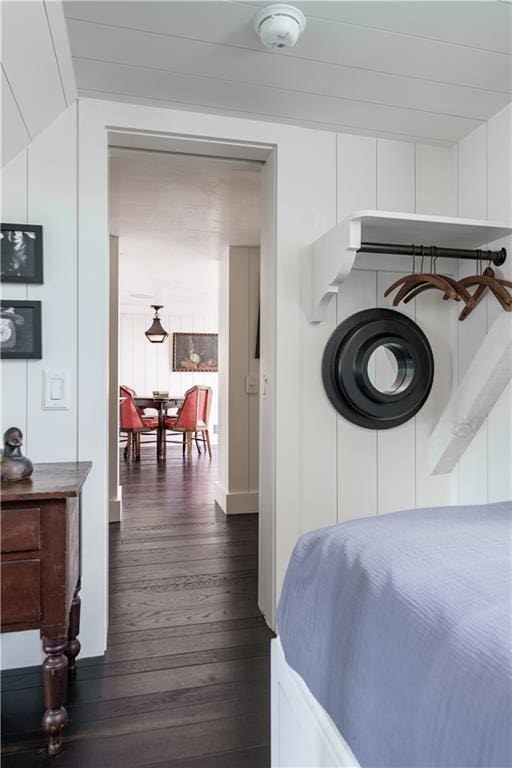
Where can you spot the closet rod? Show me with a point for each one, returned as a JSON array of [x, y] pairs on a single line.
[[432, 251]]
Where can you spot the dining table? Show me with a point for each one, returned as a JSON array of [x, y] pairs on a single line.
[[161, 405]]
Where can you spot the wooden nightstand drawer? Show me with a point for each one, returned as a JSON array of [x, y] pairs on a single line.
[[20, 529], [21, 592]]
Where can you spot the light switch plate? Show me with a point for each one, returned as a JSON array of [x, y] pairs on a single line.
[[252, 385], [56, 389]]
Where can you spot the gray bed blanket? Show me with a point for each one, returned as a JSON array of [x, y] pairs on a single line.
[[401, 627]]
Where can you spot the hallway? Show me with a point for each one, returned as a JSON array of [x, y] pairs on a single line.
[[185, 681]]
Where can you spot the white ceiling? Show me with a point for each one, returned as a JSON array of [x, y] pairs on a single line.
[[175, 215], [428, 71]]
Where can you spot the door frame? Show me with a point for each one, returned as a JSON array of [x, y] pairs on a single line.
[[100, 123]]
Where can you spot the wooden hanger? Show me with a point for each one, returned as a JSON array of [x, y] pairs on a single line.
[[485, 282], [423, 281], [416, 283], [462, 292]]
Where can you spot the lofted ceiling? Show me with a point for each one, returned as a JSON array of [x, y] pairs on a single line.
[[425, 71], [175, 215]]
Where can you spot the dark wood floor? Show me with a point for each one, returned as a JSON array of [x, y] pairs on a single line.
[[185, 681]]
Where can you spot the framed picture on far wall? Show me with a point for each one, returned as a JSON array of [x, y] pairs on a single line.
[[21, 253], [195, 352], [20, 330]]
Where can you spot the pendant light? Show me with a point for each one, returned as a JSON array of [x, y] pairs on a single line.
[[156, 334]]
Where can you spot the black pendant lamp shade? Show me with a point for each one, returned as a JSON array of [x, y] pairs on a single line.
[[156, 334]]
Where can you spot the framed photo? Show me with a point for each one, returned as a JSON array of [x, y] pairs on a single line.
[[21, 253], [193, 352], [20, 330]]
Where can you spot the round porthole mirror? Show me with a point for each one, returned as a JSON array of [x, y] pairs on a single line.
[[390, 368], [378, 368]]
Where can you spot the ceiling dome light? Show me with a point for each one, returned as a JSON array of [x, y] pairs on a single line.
[[279, 26], [156, 334]]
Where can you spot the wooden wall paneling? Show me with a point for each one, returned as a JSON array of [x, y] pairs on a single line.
[[318, 443], [395, 176], [140, 324], [162, 363], [499, 457], [239, 329], [436, 180], [126, 349], [472, 177], [14, 195], [357, 174], [267, 545], [92, 367], [499, 422], [52, 176], [306, 209], [318, 446], [436, 193], [396, 448], [13, 378], [357, 447], [499, 206], [354, 46], [145, 351], [175, 379], [38, 88], [499, 166], [253, 366], [15, 136], [60, 38], [472, 203], [438, 319], [152, 86]]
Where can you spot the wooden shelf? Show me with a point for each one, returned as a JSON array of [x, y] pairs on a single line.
[[334, 253]]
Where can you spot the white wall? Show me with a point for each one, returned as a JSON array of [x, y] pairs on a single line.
[[40, 187], [145, 366], [324, 469], [357, 471], [35, 90], [236, 490], [484, 472]]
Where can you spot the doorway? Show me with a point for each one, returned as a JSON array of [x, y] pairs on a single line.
[[183, 573]]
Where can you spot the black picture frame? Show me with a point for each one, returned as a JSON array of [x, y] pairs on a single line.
[[21, 320], [21, 253]]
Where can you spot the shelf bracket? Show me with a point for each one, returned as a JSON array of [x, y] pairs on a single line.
[[333, 257]]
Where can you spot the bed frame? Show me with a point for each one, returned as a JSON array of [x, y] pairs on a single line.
[[303, 734]]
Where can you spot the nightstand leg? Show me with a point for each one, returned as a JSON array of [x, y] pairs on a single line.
[[73, 646], [54, 691]]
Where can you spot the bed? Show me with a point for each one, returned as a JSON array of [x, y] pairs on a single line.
[[394, 644]]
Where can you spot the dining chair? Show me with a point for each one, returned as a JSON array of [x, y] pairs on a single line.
[[192, 419], [133, 423]]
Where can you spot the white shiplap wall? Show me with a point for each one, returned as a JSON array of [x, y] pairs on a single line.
[[325, 468], [484, 472], [39, 187], [33, 93], [365, 472], [145, 367]]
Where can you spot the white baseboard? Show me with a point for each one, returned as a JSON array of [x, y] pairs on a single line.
[[236, 502], [115, 507]]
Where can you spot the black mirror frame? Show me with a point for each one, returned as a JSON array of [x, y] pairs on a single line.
[[345, 368]]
